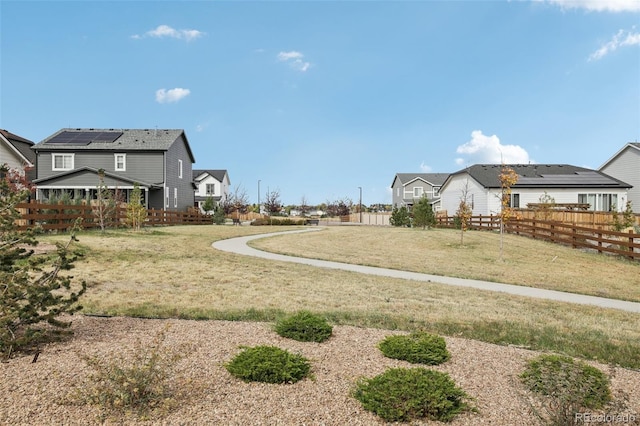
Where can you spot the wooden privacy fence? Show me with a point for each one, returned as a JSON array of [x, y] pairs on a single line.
[[601, 240], [62, 216], [581, 218], [476, 222]]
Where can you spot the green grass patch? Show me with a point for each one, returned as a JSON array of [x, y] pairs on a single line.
[[304, 326]]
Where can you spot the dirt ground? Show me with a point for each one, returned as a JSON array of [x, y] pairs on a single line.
[[45, 392]]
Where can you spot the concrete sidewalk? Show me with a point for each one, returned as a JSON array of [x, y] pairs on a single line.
[[239, 246]]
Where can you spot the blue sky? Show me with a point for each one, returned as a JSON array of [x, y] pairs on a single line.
[[317, 98]]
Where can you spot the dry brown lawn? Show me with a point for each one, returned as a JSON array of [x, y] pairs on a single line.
[[525, 261], [174, 272]]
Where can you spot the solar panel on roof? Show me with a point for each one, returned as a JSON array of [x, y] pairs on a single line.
[[84, 138]]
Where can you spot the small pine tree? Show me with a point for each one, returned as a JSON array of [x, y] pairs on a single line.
[[628, 218], [423, 214], [208, 205], [136, 212], [400, 217], [30, 292]]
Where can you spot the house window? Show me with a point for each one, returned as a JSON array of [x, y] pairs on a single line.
[[211, 188], [436, 191], [514, 202], [175, 197], [62, 162], [599, 202], [398, 191], [121, 162], [180, 169], [417, 192], [166, 196]]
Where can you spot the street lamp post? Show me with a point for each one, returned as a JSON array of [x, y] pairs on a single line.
[[360, 203]]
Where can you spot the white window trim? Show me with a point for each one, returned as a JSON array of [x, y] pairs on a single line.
[[53, 161], [180, 169], [124, 162], [175, 197], [166, 193]]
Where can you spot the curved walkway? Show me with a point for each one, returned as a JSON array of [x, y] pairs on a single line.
[[239, 246]]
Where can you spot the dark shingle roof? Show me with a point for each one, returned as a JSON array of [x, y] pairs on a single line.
[[218, 174], [129, 140], [543, 176], [21, 144], [435, 179]]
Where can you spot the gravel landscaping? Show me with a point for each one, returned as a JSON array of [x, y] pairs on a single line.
[[42, 393]]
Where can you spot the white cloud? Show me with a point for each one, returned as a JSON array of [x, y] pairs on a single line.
[[621, 39], [164, 96], [484, 149], [294, 59], [424, 168], [166, 31], [599, 5]]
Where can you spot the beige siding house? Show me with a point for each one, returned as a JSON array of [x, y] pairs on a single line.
[[625, 165], [15, 152]]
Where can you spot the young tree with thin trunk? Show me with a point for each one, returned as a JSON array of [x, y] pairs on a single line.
[[272, 203], [106, 203], [237, 203], [304, 206], [508, 178], [136, 212], [464, 211]]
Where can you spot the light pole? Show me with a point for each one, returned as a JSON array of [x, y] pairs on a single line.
[[360, 203], [259, 209]]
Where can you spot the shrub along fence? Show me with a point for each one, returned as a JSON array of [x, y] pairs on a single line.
[[597, 239], [62, 216]]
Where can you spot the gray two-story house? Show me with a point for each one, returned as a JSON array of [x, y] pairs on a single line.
[[158, 161], [408, 188]]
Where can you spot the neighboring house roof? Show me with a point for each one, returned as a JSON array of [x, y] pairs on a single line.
[[630, 145], [217, 174], [113, 140], [20, 145], [434, 179], [92, 170], [542, 176]]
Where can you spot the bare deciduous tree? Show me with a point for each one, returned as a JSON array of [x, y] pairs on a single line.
[[272, 203], [464, 211]]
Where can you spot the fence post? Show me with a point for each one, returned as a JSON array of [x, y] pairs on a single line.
[[533, 229], [599, 234], [574, 233], [631, 249]]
